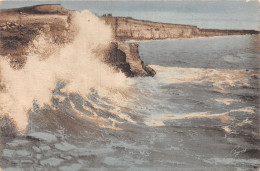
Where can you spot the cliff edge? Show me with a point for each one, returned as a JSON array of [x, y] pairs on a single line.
[[19, 27], [126, 28]]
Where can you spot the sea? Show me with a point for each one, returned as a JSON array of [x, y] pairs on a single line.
[[199, 112]]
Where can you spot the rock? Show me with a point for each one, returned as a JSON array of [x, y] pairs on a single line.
[[74, 167], [8, 153], [52, 161], [114, 161], [17, 34], [4, 27], [38, 156], [36, 149], [44, 136], [26, 161], [23, 153], [15, 162], [18, 142], [117, 59], [150, 71], [64, 146], [44, 147], [8, 129], [13, 169], [136, 64], [63, 156], [126, 59]]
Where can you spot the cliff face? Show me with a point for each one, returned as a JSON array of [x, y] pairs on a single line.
[[137, 67], [126, 59], [19, 27], [131, 29]]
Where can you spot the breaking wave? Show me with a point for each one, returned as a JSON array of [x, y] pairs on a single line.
[[74, 64]]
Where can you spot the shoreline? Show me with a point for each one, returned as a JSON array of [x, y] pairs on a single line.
[[128, 29], [193, 38]]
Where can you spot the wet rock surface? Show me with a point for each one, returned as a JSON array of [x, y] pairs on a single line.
[[125, 57]]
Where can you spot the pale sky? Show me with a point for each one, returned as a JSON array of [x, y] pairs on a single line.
[[134, 0]]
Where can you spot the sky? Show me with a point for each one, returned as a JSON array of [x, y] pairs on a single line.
[[136, 0], [221, 14]]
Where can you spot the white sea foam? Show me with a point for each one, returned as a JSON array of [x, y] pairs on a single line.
[[226, 101], [158, 120], [220, 78]]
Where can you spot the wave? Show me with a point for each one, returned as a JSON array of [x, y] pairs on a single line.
[[75, 64], [221, 79]]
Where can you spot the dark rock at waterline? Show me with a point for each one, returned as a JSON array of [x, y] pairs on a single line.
[[138, 68], [7, 128], [150, 71], [117, 59], [126, 59]]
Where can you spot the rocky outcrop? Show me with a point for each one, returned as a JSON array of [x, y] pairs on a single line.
[[126, 28], [137, 66], [125, 58], [116, 58]]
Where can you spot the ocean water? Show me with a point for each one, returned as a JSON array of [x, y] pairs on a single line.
[[199, 112]]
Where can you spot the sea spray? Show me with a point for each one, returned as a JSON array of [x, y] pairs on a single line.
[[75, 64]]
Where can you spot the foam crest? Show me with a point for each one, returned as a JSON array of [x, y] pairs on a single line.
[[226, 101], [158, 120], [221, 79]]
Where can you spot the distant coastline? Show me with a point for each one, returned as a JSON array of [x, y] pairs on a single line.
[[129, 29]]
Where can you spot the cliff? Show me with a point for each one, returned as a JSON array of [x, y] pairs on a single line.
[[20, 27], [126, 58], [126, 28]]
